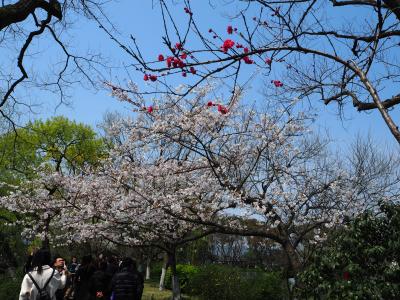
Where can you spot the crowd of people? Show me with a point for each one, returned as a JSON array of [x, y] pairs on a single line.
[[90, 279]]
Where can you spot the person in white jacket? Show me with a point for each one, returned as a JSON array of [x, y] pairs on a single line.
[[42, 272]]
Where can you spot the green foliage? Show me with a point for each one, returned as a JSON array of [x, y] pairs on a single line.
[[185, 274], [57, 143], [226, 282], [10, 286], [359, 262], [196, 252], [12, 250]]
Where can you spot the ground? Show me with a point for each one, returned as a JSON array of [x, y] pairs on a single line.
[[152, 292]]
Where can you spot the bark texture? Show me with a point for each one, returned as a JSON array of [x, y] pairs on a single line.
[[14, 13]]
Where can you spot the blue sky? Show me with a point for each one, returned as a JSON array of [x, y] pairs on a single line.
[[144, 22]]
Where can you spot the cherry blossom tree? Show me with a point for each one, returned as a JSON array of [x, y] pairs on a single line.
[[203, 164], [224, 156], [226, 162]]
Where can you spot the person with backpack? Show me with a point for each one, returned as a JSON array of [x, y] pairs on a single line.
[[43, 281]]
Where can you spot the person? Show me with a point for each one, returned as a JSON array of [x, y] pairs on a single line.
[[59, 266], [127, 284], [42, 277], [82, 278], [112, 265], [99, 286], [72, 267], [28, 264]]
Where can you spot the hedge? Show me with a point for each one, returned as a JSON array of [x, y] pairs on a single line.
[[226, 282]]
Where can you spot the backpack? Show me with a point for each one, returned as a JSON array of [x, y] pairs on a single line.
[[43, 294]]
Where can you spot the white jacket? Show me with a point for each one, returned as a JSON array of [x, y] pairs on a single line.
[[28, 289]]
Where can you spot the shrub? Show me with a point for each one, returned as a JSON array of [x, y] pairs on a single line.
[[361, 261], [185, 274], [10, 287], [226, 282]]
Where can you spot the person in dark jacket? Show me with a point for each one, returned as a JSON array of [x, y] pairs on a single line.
[[99, 286], [82, 278], [127, 284], [112, 265]]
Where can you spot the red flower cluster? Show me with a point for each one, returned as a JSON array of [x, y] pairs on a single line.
[[228, 44], [178, 46], [277, 83], [248, 60], [222, 109], [175, 62], [151, 77], [150, 109], [160, 57], [229, 29], [268, 61], [192, 70]]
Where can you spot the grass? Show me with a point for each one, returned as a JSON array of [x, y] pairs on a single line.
[[152, 292]]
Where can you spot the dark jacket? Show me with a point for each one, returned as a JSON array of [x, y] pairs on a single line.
[[127, 284], [82, 282], [100, 283]]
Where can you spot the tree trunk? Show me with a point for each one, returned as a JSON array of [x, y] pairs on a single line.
[[293, 266], [176, 289], [148, 269], [46, 241], [163, 272]]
